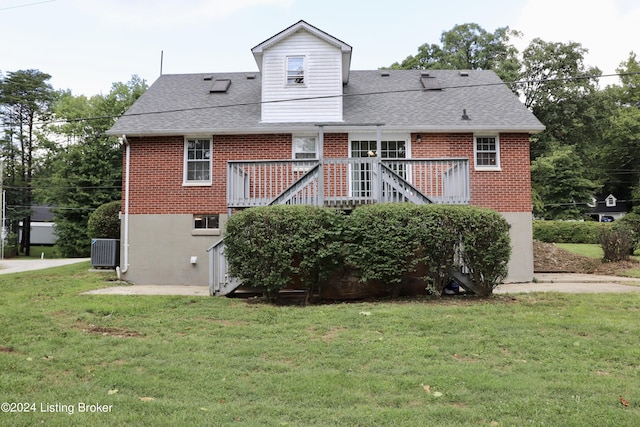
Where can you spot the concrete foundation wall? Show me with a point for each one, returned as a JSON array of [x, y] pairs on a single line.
[[521, 232], [161, 247]]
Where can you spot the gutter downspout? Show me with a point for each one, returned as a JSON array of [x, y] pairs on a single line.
[[125, 245]]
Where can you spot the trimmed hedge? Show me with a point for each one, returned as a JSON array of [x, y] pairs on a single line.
[[271, 247], [267, 246], [568, 231], [104, 222], [388, 242]]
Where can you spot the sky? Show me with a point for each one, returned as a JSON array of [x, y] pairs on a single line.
[[87, 45]]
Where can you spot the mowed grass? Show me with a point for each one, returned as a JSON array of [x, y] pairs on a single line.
[[584, 249], [596, 252], [532, 359]]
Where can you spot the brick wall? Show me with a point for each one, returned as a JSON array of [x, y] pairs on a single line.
[[507, 190], [156, 181]]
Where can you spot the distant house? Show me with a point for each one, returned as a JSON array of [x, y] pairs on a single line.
[[608, 208], [42, 226], [306, 129]]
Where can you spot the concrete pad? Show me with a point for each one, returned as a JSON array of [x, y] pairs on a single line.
[[151, 290], [565, 287]]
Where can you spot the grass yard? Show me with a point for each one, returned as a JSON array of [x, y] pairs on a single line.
[[534, 359], [584, 249]]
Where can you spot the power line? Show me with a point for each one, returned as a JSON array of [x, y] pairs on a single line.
[[26, 5]]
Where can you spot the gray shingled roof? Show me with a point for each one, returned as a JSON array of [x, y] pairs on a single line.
[[182, 104]]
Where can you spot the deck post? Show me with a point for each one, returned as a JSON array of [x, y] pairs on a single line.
[[378, 164], [321, 159]]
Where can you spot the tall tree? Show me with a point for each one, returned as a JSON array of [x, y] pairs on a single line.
[[88, 172], [469, 47], [561, 189], [620, 154], [557, 87], [26, 98]]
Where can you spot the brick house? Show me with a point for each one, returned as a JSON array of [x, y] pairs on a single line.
[[307, 129]]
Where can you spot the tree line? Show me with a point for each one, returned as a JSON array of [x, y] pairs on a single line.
[[591, 144], [55, 152]]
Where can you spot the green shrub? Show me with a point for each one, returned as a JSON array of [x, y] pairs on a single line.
[[388, 241], [381, 244], [271, 247], [568, 231], [267, 246], [632, 221], [104, 222], [437, 232], [485, 247], [617, 243]]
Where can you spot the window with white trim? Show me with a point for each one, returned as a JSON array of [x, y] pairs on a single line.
[[487, 152], [197, 161], [305, 147], [295, 70], [611, 201], [206, 222]]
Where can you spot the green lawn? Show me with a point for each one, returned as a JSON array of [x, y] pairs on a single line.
[[596, 252], [38, 251], [534, 359], [584, 249]]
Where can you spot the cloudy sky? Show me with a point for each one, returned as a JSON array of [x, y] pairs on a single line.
[[86, 45]]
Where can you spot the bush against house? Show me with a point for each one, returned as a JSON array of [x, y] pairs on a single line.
[[104, 222], [272, 247], [267, 247]]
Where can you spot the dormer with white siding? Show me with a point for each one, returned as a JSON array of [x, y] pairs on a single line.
[[303, 71]]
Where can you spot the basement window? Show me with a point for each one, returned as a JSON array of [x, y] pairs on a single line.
[[206, 225]]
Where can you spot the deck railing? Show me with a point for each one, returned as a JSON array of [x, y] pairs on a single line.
[[347, 181]]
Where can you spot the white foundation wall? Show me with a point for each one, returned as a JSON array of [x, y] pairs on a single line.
[[161, 247], [521, 233]]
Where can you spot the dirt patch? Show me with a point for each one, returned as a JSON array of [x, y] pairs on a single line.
[[7, 349], [112, 332], [548, 258]]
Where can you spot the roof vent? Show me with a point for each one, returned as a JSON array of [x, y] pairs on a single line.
[[464, 115], [464, 74], [251, 77], [208, 78], [384, 74], [220, 86]]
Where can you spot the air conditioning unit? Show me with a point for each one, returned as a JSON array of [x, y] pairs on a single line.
[[105, 253]]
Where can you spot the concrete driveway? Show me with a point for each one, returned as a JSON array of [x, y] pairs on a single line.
[[19, 265]]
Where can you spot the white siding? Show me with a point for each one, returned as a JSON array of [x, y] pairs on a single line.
[[323, 77]]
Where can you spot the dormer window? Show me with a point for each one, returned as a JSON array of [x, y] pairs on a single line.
[[295, 70], [611, 201]]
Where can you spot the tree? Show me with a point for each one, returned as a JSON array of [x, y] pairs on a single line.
[[620, 153], [88, 172], [558, 179], [469, 47], [557, 87], [26, 99]]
